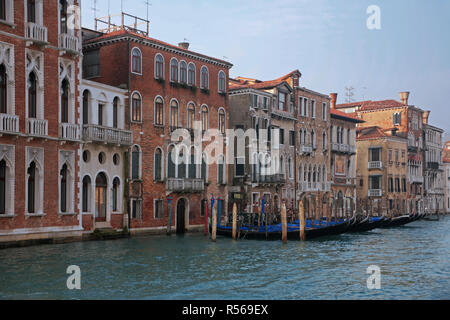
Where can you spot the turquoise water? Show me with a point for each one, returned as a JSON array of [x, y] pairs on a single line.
[[414, 262]]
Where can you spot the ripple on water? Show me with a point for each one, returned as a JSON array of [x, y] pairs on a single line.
[[413, 259]]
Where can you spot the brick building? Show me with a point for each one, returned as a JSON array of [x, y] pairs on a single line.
[[39, 120], [169, 87], [407, 122]]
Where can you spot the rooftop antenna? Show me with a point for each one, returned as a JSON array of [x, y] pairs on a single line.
[[94, 9], [148, 4], [349, 93]]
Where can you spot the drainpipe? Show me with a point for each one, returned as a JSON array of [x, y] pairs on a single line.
[[127, 162]]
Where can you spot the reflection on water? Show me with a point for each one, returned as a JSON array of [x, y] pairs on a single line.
[[414, 262]]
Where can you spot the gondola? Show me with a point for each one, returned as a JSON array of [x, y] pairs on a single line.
[[396, 221], [274, 232], [359, 225]]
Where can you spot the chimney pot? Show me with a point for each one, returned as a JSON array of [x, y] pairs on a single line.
[[404, 96], [184, 45], [333, 97], [426, 115]]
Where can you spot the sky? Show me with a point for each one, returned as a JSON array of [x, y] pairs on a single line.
[[327, 40]]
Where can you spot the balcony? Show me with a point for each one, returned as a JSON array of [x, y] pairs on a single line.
[[36, 127], [416, 179], [343, 148], [278, 178], [314, 186], [185, 185], [36, 33], [69, 131], [69, 43], [433, 165], [9, 124], [412, 149], [107, 135], [306, 149], [375, 192], [375, 165]]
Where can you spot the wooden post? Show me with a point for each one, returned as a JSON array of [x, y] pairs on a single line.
[[259, 216], [206, 218], [283, 223], [234, 220], [214, 223], [301, 212]]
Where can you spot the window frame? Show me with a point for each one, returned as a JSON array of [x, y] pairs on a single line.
[[138, 61]]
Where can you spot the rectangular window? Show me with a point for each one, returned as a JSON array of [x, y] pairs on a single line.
[[324, 111], [390, 155], [91, 64], [136, 211], [255, 101], [313, 108], [282, 101], [31, 11], [375, 154], [292, 138], [239, 165], [404, 185], [159, 209], [281, 136], [3, 9], [265, 103], [305, 107], [100, 114]]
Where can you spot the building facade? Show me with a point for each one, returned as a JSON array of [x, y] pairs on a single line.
[[446, 166], [434, 192], [407, 122], [169, 88], [39, 120], [343, 159], [381, 172]]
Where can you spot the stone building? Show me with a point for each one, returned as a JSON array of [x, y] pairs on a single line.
[[169, 87], [104, 156], [434, 192], [382, 185], [343, 159], [39, 120], [446, 168], [406, 121]]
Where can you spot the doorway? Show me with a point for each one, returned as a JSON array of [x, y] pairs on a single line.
[[181, 216], [100, 197]]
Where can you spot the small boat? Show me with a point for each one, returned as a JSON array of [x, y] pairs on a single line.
[[370, 223], [274, 232], [359, 225], [396, 221]]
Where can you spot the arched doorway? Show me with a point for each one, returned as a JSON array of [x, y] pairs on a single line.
[[101, 185], [181, 216]]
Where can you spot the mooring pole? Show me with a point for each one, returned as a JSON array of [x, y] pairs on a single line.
[[169, 225], [214, 223], [206, 218], [234, 220], [301, 212], [284, 223]]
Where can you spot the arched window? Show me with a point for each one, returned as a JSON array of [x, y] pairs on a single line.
[[205, 118], [282, 170], [324, 140], [158, 164], [159, 67], [170, 163], [204, 78], [190, 116], [86, 98], [222, 82], [31, 11], [136, 163], [116, 103], [313, 139], [204, 169], [181, 164], [3, 187], [192, 165], [3, 89], [65, 101], [31, 188], [159, 111], [136, 60], [115, 194], [174, 114], [32, 95], [136, 108], [85, 194], [183, 72], [191, 74], [62, 15], [174, 70], [63, 189], [222, 121]]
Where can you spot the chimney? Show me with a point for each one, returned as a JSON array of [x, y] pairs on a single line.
[[184, 45], [404, 97], [333, 97], [425, 116]]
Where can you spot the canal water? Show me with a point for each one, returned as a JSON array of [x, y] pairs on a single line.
[[414, 262]]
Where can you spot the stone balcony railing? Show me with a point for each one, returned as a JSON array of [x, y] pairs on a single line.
[[306, 149], [69, 43], [278, 178], [108, 135], [185, 185], [415, 179], [36, 127], [9, 123], [375, 192], [314, 186], [35, 32], [375, 165], [343, 147], [69, 131]]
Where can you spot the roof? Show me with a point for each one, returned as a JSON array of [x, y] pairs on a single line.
[[369, 105], [374, 132], [345, 116], [252, 83], [123, 32]]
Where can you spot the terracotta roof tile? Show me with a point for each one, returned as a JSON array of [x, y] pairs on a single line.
[[350, 116]]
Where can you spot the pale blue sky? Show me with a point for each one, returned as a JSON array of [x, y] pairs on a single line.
[[327, 40]]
